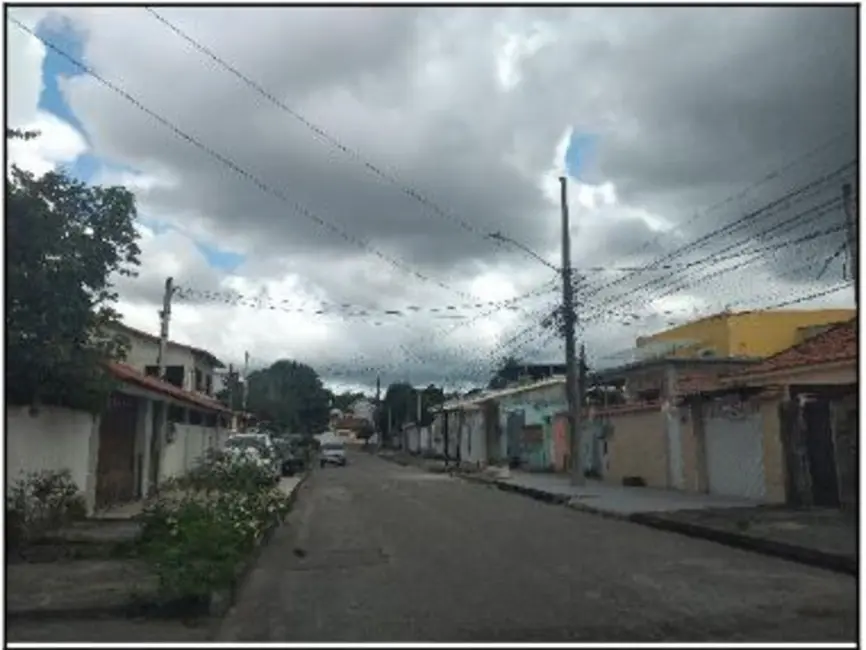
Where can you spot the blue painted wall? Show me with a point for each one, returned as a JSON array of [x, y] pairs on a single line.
[[539, 408]]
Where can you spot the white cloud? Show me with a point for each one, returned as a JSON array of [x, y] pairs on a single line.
[[474, 109], [58, 142]]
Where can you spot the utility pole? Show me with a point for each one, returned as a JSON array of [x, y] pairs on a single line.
[[156, 440], [568, 316], [164, 319], [246, 386], [851, 221]]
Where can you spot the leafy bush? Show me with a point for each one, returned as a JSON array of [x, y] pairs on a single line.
[[41, 501], [229, 470], [196, 533]]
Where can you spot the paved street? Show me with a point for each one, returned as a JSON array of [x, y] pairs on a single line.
[[377, 552]]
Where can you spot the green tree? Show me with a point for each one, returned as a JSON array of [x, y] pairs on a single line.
[[64, 242], [509, 371], [401, 402], [290, 396], [344, 400], [232, 394]]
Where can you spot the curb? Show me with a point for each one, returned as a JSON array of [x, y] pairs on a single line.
[[221, 600], [800, 554]]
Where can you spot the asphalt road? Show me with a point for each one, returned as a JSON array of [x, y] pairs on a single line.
[[375, 552]]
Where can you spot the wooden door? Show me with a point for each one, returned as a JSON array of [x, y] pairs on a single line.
[[115, 469]]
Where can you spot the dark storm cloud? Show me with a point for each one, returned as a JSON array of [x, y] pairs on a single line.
[[686, 107]]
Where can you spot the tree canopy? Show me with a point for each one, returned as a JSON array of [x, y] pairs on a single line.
[[290, 396], [345, 400], [509, 371], [401, 405], [64, 242]]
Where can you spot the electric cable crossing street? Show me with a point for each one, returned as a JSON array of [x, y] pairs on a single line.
[[442, 329]]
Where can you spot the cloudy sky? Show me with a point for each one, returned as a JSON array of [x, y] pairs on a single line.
[[335, 209]]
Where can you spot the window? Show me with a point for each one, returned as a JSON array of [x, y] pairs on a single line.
[[199, 380], [208, 384], [174, 375], [210, 420], [196, 418]]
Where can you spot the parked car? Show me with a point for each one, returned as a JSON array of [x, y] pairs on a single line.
[[291, 458], [332, 453], [263, 445]]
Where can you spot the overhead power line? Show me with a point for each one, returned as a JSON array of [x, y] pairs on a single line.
[[237, 169], [788, 200], [497, 238], [348, 310]]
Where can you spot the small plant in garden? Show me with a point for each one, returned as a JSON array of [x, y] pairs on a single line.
[[196, 534], [41, 501]]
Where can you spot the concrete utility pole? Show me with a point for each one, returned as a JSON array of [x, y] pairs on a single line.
[[246, 387], [851, 215], [161, 414], [164, 319], [572, 390]]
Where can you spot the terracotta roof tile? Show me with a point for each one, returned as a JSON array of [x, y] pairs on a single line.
[[131, 375], [839, 343], [691, 384]]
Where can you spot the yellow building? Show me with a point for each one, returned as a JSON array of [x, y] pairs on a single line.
[[743, 334]]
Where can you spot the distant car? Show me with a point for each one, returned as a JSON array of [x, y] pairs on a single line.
[[332, 453], [263, 444]]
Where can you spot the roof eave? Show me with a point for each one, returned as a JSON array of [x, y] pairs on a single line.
[[772, 376]]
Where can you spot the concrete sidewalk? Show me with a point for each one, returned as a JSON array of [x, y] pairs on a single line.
[[99, 598], [824, 538]]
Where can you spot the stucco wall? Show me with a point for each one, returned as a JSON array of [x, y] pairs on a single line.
[[637, 446], [540, 408], [473, 444], [763, 333], [560, 442], [774, 461], [55, 439], [190, 444], [690, 449], [143, 352]]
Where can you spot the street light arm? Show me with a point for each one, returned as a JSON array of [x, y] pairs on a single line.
[[498, 236]]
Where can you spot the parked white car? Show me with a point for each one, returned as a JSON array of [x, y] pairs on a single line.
[[262, 444]]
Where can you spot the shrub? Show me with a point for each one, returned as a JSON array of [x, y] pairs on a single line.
[[230, 470], [42, 501], [195, 536]]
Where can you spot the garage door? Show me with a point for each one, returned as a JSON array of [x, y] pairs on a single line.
[[735, 454]]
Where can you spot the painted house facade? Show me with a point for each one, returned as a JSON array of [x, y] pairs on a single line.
[[150, 431], [757, 334], [188, 367], [805, 402]]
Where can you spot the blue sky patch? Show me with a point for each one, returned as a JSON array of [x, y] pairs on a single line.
[[580, 146], [54, 66], [218, 258], [86, 167]]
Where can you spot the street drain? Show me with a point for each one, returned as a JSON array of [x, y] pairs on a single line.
[[339, 559]]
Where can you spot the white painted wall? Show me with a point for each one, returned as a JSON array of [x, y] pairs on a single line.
[[363, 409], [190, 444], [143, 352], [473, 442], [54, 439]]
